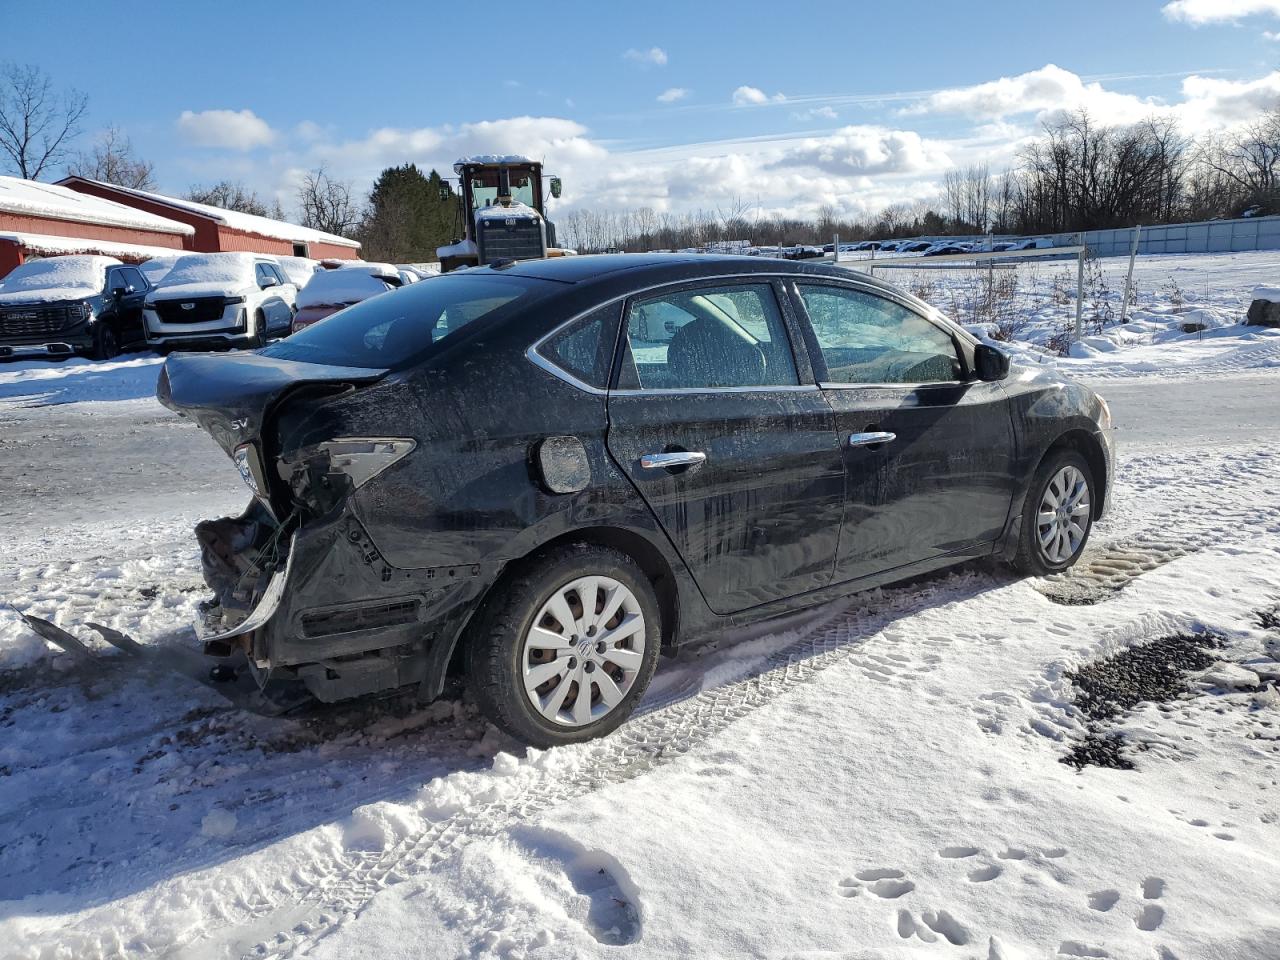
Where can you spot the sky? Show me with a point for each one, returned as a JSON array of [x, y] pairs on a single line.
[[763, 108]]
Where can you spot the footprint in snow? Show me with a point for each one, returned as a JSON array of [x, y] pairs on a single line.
[[1151, 915], [957, 853], [983, 874], [931, 925], [883, 882], [1103, 900]]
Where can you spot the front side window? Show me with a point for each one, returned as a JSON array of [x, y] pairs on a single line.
[[133, 279], [265, 277], [396, 331], [730, 336], [866, 338]]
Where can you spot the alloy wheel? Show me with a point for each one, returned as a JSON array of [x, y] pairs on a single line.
[[1062, 520], [584, 651]]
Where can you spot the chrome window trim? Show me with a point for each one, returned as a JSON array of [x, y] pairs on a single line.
[[675, 391], [882, 385], [538, 360]]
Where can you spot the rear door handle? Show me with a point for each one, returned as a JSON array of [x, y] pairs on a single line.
[[679, 458], [871, 439]]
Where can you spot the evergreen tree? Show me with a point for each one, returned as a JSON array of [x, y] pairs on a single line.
[[406, 219]]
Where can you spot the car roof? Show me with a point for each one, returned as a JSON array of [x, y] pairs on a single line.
[[656, 268]]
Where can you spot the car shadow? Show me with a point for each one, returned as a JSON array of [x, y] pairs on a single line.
[[115, 779], [130, 376]]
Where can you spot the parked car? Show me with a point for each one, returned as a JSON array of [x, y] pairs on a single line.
[[889, 246], [62, 306], [1032, 243], [156, 268], [484, 470], [947, 248], [329, 291], [220, 300], [298, 270], [914, 246]]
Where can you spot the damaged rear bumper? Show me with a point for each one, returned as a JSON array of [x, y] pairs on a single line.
[[219, 638]]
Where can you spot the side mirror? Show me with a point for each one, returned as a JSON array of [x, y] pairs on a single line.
[[118, 292], [990, 362], [267, 282], [445, 193], [556, 187]]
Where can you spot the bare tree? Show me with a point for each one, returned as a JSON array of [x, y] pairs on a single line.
[[326, 203], [112, 160], [37, 123], [232, 195]]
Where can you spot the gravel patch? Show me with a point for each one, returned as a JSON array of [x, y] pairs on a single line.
[[1106, 689]]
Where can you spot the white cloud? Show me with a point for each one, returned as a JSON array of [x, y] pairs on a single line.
[[653, 57], [1210, 102], [746, 96], [817, 113], [1199, 12], [866, 151], [1042, 91], [1270, 35], [672, 94], [232, 129]]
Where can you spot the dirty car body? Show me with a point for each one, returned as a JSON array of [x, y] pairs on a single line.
[[413, 453]]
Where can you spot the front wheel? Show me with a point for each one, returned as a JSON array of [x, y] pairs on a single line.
[[106, 345], [563, 651], [1057, 516]]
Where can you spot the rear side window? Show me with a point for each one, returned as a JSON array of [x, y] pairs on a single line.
[[395, 331], [584, 349], [707, 337], [865, 338]]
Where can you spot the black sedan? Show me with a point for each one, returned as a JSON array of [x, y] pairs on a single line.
[[543, 473]]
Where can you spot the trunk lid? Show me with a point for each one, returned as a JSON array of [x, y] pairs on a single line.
[[231, 394]]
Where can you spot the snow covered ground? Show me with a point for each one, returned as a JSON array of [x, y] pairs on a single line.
[[882, 779]]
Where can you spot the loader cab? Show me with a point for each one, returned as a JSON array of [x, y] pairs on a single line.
[[502, 212]]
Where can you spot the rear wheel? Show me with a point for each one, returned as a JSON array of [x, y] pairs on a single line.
[[1057, 516], [563, 651]]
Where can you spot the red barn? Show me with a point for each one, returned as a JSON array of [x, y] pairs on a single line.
[[44, 219], [217, 230]]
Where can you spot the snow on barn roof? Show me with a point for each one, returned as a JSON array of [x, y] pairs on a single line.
[[49, 246], [244, 222], [32, 199], [489, 158]]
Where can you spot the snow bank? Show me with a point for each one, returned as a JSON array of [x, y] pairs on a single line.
[[298, 270], [55, 278], [1269, 294], [340, 288]]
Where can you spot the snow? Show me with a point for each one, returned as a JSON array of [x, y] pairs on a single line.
[[463, 248], [31, 198], [1270, 294], [337, 288], [199, 273], [54, 279], [244, 222], [47, 245], [298, 270], [501, 211], [156, 268], [879, 779], [490, 158]]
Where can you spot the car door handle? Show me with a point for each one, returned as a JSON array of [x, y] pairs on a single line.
[[678, 458], [871, 439]]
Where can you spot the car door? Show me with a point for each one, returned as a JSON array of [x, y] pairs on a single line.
[[737, 458], [928, 450], [274, 309], [129, 306]]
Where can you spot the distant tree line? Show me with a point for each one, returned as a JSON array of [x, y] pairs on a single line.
[[1078, 175]]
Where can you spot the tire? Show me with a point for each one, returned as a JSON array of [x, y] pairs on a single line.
[[106, 345], [501, 646], [1054, 546], [259, 337]]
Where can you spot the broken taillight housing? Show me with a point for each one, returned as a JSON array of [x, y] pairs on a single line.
[[323, 474]]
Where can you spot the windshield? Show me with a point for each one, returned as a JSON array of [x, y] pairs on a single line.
[[395, 330], [484, 187]]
